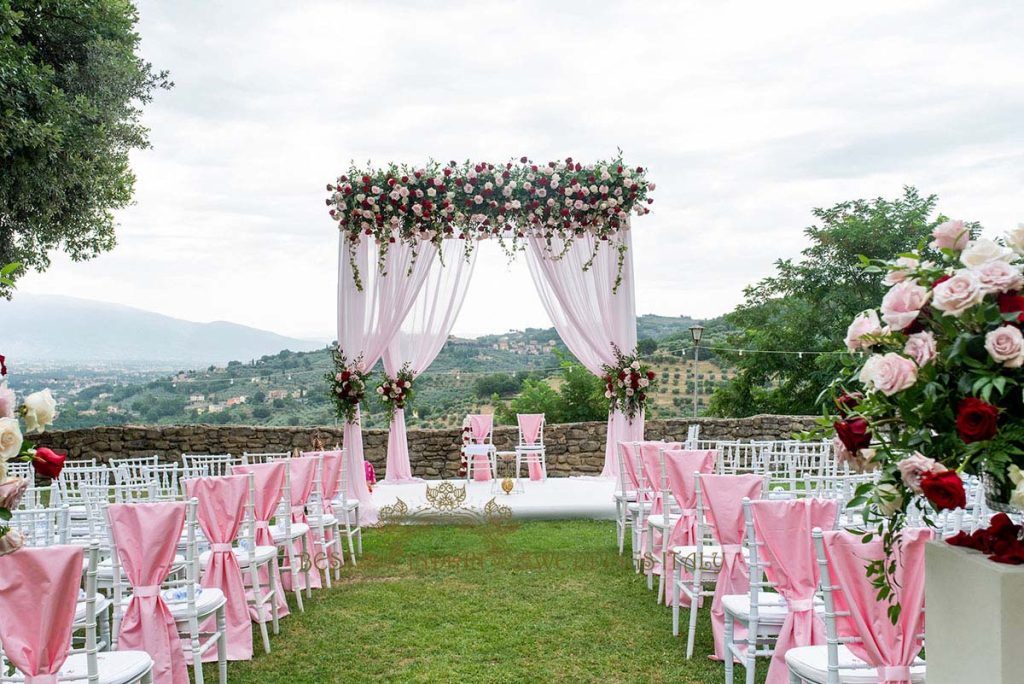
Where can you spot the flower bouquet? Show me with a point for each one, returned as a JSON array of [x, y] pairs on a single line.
[[348, 385], [36, 412], [933, 389], [397, 392], [628, 383]]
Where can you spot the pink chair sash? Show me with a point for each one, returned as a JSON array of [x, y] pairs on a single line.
[[888, 647], [330, 477], [303, 480], [480, 426], [784, 528], [38, 595], [147, 537], [529, 426], [268, 481], [629, 462], [680, 465], [723, 499], [221, 511]]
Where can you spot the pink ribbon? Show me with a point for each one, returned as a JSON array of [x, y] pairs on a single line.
[[147, 591], [221, 548]]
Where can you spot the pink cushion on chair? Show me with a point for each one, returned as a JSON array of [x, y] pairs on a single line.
[[38, 597], [147, 537], [888, 647], [784, 528], [221, 510]]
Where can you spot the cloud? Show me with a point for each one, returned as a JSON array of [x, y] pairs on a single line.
[[748, 115]]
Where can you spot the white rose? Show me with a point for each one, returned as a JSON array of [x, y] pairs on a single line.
[[607, 394], [889, 498], [10, 439], [40, 410], [899, 275], [8, 402], [1005, 345], [980, 252], [635, 365], [629, 391], [644, 382], [959, 293], [1015, 239], [999, 276]]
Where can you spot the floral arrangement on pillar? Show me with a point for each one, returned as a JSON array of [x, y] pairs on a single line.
[[934, 387], [37, 411], [476, 200], [397, 392], [348, 385], [628, 383]]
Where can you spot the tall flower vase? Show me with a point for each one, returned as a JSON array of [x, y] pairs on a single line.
[[975, 617]]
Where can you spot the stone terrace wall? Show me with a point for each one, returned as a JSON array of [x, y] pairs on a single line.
[[572, 448]]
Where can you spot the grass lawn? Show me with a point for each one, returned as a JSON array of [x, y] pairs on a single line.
[[513, 602]]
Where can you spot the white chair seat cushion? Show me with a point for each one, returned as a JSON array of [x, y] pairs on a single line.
[[348, 505], [478, 449], [102, 603], [771, 608], [635, 507], [711, 556], [115, 667], [208, 599], [328, 521], [298, 530], [811, 663], [660, 522], [261, 556], [105, 568], [625, 496]]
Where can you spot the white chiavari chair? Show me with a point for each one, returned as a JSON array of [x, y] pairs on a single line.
[[207, 465], [266, 457], [692, 436], [347, 510], [625, 494], [330, 554], [163, 481], [286, 534], [42, 526], [131, 470]]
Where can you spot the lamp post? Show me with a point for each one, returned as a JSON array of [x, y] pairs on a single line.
[[695, 332]]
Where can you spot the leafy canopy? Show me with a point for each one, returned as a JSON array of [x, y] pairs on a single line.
[[808, 304], [71, 87]]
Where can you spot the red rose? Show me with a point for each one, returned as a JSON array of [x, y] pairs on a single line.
[[622, 375], [847, 402], [940, 280], [1011, 303], [976, 420], [3, 365], [650, 375], [345, 375], [853, 433], [48, 463], [945, 490]]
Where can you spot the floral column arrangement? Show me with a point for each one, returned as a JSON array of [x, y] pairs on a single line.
[[933, 388]]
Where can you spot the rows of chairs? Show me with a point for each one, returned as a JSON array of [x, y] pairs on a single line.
[[757, 533], [209, 545]]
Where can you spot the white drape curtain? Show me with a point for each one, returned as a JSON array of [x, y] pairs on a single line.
[[589, 317], [367, 321], [422, 335]]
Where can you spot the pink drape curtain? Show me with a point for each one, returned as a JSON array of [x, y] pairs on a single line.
[[38, 593], [889, 648], [589, 316], [368, 320], [422, 335], [221, 512]]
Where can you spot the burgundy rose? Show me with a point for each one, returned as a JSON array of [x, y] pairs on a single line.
[[853, 433], [650, 375], [941, 279], [847, 402], [1011, 302], [48, 463], [944, 489], [976, 420], [3, 365]]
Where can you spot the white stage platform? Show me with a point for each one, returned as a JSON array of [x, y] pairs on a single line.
[[557, 498]]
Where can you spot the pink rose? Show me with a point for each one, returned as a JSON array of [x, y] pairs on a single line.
[[866, 323], [903, 303], [1005, 345], [888, 373], [950, 235], [916, 466], [8, 402], [958, 293], [900, 274], [11, 542], [11, 491], [999, 276], [921, 347], [862, 461]]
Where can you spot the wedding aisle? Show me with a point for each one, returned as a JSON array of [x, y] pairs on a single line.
[[557, 498], [539, 601]]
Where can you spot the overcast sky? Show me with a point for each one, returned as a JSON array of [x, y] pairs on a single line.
[[747, 113]]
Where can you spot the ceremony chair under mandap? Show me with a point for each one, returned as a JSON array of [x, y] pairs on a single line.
[[480, 452], [530, 446]]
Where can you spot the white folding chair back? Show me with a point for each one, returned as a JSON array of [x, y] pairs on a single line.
[[251, 458], [42, 526], [131, 470], [163, 481], [207, 465]]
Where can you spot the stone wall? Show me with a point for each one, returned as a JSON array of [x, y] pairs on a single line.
[[572, 448]]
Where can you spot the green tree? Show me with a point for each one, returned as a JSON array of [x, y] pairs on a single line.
[[808, 304], [71, 91], [502, 384], [579, 398], [646, 346]]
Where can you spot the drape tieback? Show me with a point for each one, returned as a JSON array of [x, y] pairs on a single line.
[[221, 548], [147, 591], [800, 605], [894, 673]]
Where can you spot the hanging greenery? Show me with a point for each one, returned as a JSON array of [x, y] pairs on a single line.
[[477, 200]]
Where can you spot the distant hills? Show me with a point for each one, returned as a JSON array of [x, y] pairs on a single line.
[[66, 330]]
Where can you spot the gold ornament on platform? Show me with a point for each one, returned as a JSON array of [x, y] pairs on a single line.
[[507, 485]]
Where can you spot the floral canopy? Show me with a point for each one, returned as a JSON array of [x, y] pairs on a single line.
[[478, 200]]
